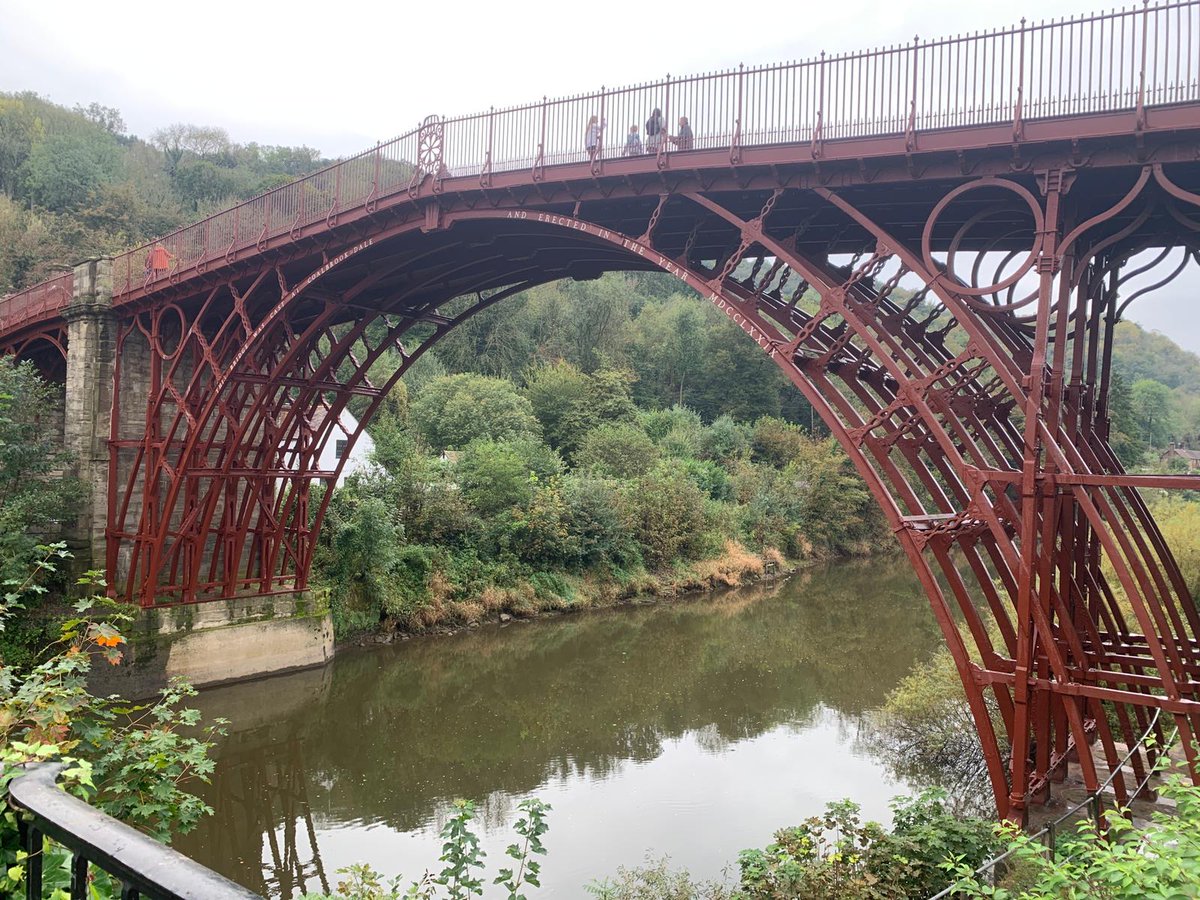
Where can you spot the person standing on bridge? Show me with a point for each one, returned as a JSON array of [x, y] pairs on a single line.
[[158, 261], [684, 139], [595, 128], [633, 143], [654, 130]]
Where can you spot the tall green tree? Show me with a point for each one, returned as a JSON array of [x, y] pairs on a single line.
[[455, 410], [1154, 411]]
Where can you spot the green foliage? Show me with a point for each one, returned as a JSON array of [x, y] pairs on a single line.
[[73, 186], [558, 393], [63, 171], [461, 854], [34, 497], [360, 558], [840, 857], [133, 761], [618, 450], [1160, 860], [530, 828], [776, 442], [537, 532], [668, 517], [656, 881], [461, 875], [1138, 353], [1153, 411], [455, 410], [598, 522], [496, 475]]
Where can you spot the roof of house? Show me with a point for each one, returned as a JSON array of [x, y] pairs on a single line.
[[1193, 455]]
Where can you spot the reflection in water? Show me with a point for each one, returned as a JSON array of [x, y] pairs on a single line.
[[693, 728]]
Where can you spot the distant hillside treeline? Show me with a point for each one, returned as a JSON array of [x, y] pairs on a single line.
[[73, 184]]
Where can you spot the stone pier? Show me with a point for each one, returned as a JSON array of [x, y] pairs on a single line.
[[208, 643]]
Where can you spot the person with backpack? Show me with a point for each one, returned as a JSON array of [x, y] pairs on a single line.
[[654, 129]]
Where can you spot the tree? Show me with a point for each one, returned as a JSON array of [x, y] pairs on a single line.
[[557, 392], [496, 475], [617, 449], [181, 138], [1154, 411], [20, 129], [1125, 435], [668, 517], [107, 117], [63, 171], [35, 499], [455, 410]]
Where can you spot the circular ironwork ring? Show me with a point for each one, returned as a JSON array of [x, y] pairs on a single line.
[[969, 291]]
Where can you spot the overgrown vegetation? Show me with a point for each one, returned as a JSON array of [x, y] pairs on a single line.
[[1159, 859], [473, 512], [134, 761], [36, 497], [73, 184]]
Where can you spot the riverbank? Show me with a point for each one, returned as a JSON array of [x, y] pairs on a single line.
[[559, 594]]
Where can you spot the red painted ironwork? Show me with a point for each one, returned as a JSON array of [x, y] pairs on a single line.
[[932, 241]]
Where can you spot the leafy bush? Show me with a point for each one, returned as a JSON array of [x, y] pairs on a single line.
[[599, 523], [132, 761], [1161, 860], [840, 857], [725, 440], [462, 858], [496, 475], [656, 881], [668, 514], [618, 450]]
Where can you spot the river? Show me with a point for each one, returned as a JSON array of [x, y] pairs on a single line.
[[690, 729]]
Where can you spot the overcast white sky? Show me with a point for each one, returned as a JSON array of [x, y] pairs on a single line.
[[340, 76]]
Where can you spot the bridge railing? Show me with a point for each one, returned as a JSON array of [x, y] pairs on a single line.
[[1127, 59], [142, 866]]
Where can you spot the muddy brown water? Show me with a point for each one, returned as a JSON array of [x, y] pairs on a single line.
[[691, 729]]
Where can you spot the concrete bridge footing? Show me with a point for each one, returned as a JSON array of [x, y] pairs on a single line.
[[219, 641]]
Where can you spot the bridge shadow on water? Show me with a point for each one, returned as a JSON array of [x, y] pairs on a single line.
[[388, 736]]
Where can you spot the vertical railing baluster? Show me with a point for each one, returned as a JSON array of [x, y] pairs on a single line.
[[1018, 106], [79, 877], [1140, 116], [910, 132], [735, 141], [31, 841], [820, 123]]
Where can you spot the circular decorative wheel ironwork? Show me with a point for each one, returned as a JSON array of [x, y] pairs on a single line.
[[429, 147]]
